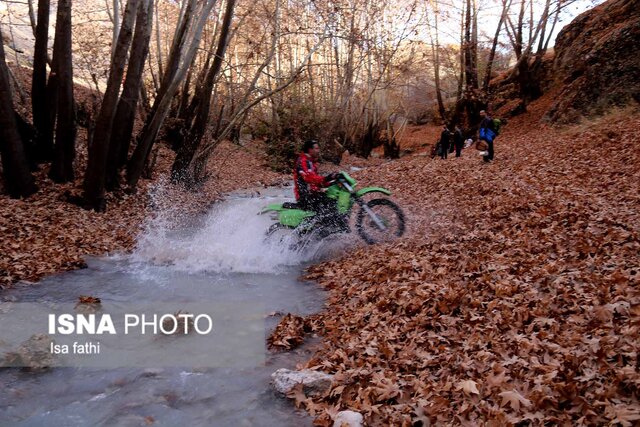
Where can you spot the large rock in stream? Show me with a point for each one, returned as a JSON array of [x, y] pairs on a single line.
[[348, 419], [314, 382]]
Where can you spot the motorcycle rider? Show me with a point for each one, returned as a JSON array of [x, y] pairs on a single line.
[[309, 185]]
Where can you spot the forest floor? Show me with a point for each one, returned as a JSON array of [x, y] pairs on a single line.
[[513, 298], [46, 233]]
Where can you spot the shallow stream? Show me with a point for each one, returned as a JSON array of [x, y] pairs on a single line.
[[220, 257]]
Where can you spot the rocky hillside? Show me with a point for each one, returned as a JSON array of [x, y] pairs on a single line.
[[597, 61]]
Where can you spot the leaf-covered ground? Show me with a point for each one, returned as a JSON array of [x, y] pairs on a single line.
[[515, 298], [45, 233]]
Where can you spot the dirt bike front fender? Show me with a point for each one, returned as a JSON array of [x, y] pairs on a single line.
[[367, 190]]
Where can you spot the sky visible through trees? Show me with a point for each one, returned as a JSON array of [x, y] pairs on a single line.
[[351, 73]]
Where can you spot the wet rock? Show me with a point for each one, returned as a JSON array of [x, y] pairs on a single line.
[[152, 372], [33, 354], [88, 305], [348, 419], [313, 382]]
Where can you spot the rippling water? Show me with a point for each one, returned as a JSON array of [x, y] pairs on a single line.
[[221, 257]]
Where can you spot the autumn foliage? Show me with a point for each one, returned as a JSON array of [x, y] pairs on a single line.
[[515, 300], [46, 233]]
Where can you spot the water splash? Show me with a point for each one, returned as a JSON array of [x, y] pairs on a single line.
[[229, 239]]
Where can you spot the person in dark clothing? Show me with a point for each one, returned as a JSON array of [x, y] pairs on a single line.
[[458, 141], [309, 185], [488, 134], [452, 145], [445, 136]]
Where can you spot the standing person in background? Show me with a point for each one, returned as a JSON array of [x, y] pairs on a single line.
[[452, 144], [445, 136], [458, 141], [487, 133]]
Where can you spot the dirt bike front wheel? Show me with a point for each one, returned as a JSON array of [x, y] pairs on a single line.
[[387, 224]]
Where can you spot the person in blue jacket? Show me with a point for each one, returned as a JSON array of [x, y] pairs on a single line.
[[487, 133]]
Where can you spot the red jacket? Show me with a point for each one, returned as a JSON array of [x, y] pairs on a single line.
[[306, 178]]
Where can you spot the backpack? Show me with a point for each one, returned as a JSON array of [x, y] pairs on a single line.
[[496, 126]]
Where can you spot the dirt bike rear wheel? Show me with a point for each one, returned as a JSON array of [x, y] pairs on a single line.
[[391, 216]]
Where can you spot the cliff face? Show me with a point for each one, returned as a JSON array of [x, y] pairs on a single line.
[[597, 61]]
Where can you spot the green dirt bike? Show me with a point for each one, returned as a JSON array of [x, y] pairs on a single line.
[[377, 220]]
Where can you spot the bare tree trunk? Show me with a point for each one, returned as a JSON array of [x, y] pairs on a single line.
[[64, 148], [494, 45], [180, 169], [179, 61], [116, 27], [311, 83], [94, 182], [435, 51], [553, 27], [44, 140], [474, 45], [158, 46], [17, 176], [542, 39], [519, 35], [470, 71], [462, 55], [32, 17], [126, 112], [529, 87]]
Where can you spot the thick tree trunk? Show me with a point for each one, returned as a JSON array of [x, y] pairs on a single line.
[[471, 76], [474, 45], [17, 176], [41, 118], [126, 112], [52, 106], [181, 166], [94, 182], [529, 86], [65, 144], [391, 146], [161, 105], [519, 36], [181, 53]]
